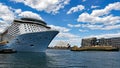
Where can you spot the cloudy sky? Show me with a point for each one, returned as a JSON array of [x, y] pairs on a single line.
[[75, 19]]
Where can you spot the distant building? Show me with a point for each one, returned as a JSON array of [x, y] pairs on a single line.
[[0, 37], [104, 42], [101, 42], [115, 42], [62, 44], [89, 42]]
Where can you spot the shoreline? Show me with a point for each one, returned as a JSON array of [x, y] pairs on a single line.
[[95, 48]]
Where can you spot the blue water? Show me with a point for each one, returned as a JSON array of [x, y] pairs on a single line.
[[61, 59]]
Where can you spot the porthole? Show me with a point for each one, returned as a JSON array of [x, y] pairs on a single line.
[[17, 41], [31, 45]]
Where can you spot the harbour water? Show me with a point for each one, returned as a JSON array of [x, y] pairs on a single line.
[[61, 59]]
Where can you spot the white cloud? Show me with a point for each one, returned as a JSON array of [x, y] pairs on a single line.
[[112, 27], [64, 32], [101, 16], [70, 25], [3, 25], [105, 35], [61, 29], [107, 9], [81, 30], [83, 0], [6, 14], [100, 27], [95, 27], [109, 27], [77, 25], [50, 6], [85, 17], [66, 35], [18, 11], [75, 9], [29, 14], [94, 6]]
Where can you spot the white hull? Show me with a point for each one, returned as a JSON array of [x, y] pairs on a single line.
[[32, 42]]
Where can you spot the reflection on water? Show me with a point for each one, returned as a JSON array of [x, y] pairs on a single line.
[[61, 59], [24, 59]]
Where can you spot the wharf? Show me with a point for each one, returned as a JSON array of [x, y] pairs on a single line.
[[95, 48], [4, 51]]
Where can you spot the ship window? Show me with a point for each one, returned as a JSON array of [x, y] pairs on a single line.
[[31, 45]]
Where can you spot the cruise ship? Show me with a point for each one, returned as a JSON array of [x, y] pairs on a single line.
[[28, 35]]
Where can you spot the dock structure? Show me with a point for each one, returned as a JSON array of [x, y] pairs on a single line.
[[95, 48], [6, 51]]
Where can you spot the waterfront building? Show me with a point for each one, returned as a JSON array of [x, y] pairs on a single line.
[[89, 42], [104, 42], [115, 42]]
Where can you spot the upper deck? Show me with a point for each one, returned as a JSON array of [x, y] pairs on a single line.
[[31, 21], [34, 20], [25, 25]]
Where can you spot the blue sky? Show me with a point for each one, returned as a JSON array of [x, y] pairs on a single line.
[[75, 19]]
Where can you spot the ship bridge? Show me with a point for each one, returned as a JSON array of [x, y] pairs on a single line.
[[35, 20]]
